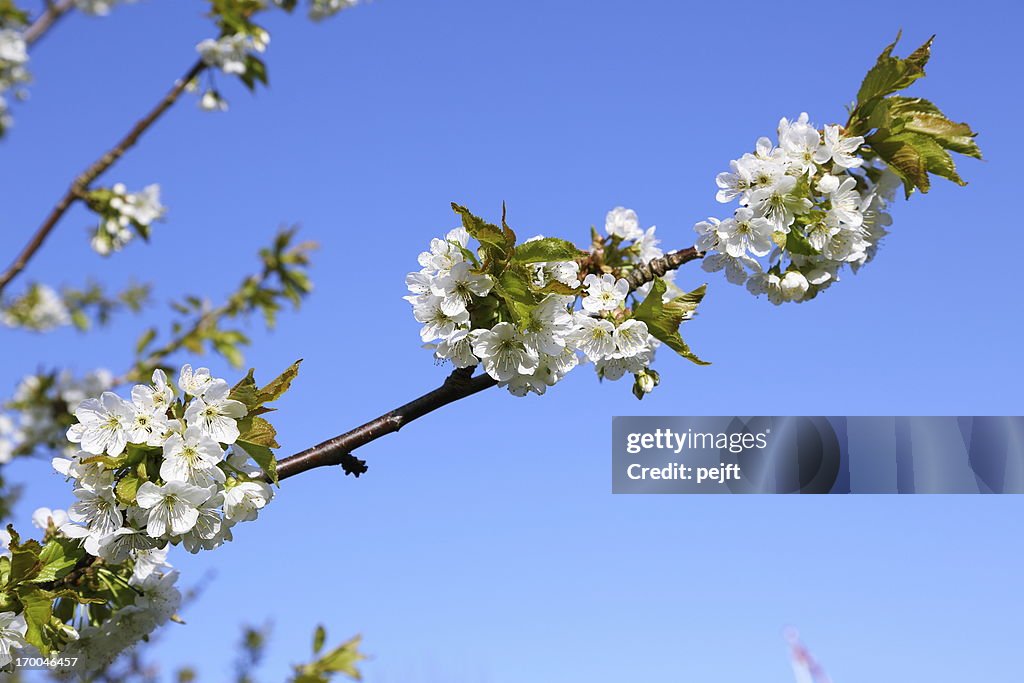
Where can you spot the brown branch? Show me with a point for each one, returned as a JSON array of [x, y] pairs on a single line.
[[643, 274], [45, 21], [80, 185], [460, 384]]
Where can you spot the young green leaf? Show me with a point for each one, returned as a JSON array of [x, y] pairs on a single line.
[[58, 557], [497, 243], [38, 608], [663, 319], [546, 250]]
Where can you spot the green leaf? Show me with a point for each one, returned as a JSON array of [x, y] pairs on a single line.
[[497, 243], [904, 160], [258, 431], [246, 391], [546, 250], [318, 639], [890, 74], [127, 488], [797, 243], [556, 287], [59, 556], [340, 660], [936, 159], [921, 116], [38, 606], [663, 319], [144, 340], [253, 397], [263, 456], [514, 285], [280, 384], [25, 562]]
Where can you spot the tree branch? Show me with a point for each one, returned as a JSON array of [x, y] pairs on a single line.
[[80, 185], [460, 384], [643, 274], [337, 451], [45, 21]]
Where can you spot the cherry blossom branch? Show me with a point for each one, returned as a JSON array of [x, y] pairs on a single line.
[[79, 186], [45, 21], [459, 384]]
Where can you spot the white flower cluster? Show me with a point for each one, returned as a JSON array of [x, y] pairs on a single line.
[[94, 647], [230, 53], [553, 337], [120, 211], [99, 8], [191, 494], [40, 309], [13, 58], [32, 418], [809, 198], [321, 9]]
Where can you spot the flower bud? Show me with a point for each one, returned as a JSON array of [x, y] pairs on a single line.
[[794, 285], [644, 382]]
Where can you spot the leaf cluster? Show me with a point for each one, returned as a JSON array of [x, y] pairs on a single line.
[[325, 665], [910, 134], [512, 268]]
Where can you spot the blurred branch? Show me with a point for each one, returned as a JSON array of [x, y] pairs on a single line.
[[45, 21], [459, 384], [80, 184], [283, 278]]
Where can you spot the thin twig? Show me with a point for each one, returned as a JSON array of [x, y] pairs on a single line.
[[80, 185], [45, 21], [460, 384]]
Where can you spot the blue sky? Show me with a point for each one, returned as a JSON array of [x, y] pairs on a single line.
[[484, 544]]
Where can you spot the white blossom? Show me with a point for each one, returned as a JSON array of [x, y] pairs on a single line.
[[244, 500], [839, 150], [172, 508], [436, 323], [192, 458], [594, 337], [622, 222], [745, 232], [458, 286], [211, 100], [193, 383], [42, 518], [458, 348], [98, 8], [779, 203], [40, 309], [794, 285], [548, 324], [321, 9], [98, 510], [216, 414], [846, 203], [229, 53], [102, 424], [631, 338], [12, 636], [504, 352], [604, 293]]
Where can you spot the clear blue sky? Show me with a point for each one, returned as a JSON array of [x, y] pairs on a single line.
[[469, 556]]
